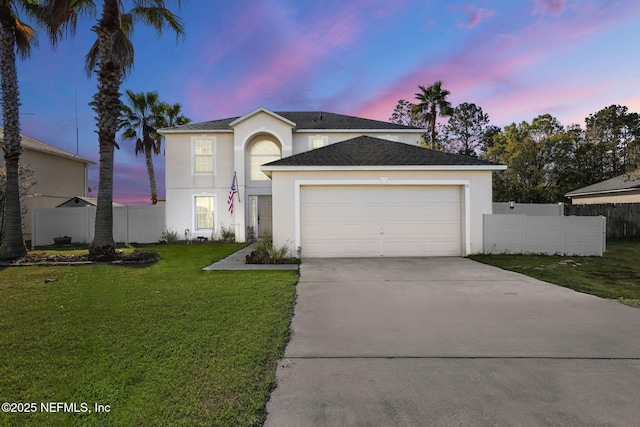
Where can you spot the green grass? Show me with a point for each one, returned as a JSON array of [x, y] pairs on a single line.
[[164, 344], [615, 275]]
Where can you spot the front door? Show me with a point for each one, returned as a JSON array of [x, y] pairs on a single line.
[[260, 216], [265, 219]]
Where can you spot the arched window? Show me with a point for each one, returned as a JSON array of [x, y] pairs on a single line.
[[262, 152]]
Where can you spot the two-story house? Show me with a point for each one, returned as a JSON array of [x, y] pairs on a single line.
[[57, 176], [331, 184]]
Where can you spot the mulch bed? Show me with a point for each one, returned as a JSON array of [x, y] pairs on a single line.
[[135, 257]]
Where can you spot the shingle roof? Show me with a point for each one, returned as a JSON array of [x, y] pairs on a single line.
[[305, 120], [36, 145], [630, 181], [91, 201], [369, 151]]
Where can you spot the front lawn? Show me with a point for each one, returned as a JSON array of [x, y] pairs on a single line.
[[615, 275], [162, 344]]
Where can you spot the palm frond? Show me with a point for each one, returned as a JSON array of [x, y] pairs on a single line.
[[121, 50], [158, 17], [91, 59], [61, 16], [25, 38]]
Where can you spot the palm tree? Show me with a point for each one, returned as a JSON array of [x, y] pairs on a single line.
[[140, 122], [15, 37], [18, 37], [173, 115], [433, 103], [111, 57]]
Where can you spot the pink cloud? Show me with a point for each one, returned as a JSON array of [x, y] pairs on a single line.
[[499, 73], [549, 7], [293, 51], [476, 16]]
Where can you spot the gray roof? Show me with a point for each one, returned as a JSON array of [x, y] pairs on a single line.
[[36, 145], [369, 151], [629, 181], [84, 201], [305, 120]]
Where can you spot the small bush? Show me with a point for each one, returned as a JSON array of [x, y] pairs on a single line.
[[266, 253], [227, 235], [169, 236]]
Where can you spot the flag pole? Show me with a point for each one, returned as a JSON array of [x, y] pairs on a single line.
[[235, 177]]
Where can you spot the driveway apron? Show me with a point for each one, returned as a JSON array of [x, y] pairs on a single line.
[[449, 341]]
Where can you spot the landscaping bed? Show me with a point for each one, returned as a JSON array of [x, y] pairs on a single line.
[[61, 258]]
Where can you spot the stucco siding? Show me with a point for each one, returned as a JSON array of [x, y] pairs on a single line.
[[56, 180], [301, 140], [626, 197]]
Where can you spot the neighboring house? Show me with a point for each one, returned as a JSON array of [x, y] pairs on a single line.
[[334, 185], [621, 189], [58, 175], [83, 202]]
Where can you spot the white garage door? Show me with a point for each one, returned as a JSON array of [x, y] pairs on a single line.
[[372, 221]]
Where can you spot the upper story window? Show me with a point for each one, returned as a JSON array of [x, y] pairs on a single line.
[[317, 141], [204, 155], [262, 152]]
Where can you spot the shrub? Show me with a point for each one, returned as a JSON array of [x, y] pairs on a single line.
[[169, 236], [228, 235], [266, 253]]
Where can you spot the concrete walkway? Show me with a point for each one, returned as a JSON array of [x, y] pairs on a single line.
[[448, 341], [237, 261]]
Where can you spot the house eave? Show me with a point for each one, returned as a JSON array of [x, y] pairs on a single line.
[[193, 131], [382, 131], [268, 170], [602, 192]]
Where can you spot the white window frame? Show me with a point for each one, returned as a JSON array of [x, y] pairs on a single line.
[[213, 155], [324, 138], [207, 231], [251, 156]]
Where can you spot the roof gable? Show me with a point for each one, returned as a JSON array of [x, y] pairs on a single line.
[[370, 151], [36, 145], [260, 110]]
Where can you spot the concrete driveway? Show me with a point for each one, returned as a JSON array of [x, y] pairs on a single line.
[[448, 341]]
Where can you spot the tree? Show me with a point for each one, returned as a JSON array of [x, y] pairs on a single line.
[[16, 37], [172, 115], [465, 130], [402, 115], [538, 156], [25, 179], [141, 121], [433, 103], [111, 57], [614, 135]]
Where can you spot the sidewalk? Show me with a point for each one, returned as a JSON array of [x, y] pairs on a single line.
[[237, 261]]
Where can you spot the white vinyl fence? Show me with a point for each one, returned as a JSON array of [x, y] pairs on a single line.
[[563, 235], [131, 224], [531, 209]]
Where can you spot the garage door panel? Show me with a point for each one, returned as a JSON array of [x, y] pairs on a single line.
[[380, 221]]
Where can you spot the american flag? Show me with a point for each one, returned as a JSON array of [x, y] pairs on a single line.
[[232, 193]]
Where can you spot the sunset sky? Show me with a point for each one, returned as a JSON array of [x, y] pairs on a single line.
[[516, 59]]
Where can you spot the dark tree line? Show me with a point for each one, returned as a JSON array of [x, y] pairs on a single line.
[[545, 159]]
